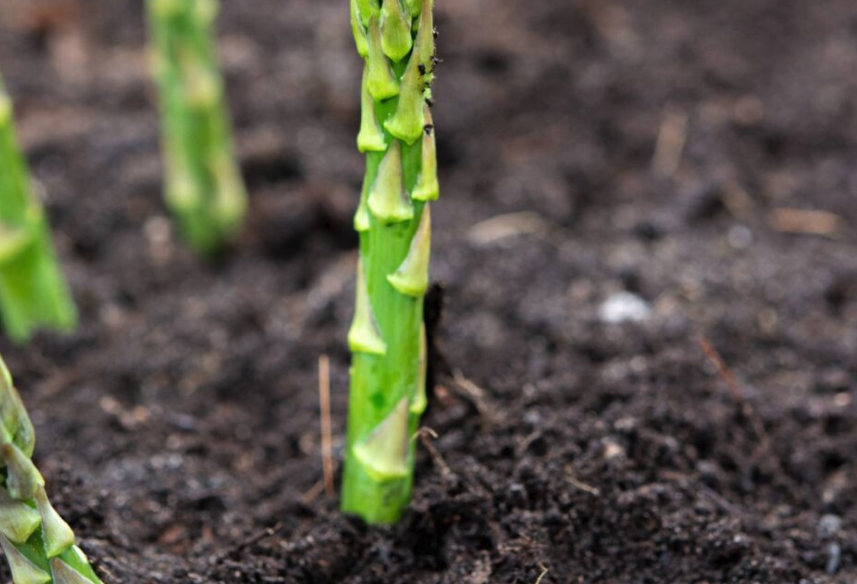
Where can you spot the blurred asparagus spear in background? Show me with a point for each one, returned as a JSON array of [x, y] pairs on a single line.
[[37, 543], [33, 292], [387, 339], [203, 186]]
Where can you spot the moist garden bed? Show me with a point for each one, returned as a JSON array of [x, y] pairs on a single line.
[[652, 150]]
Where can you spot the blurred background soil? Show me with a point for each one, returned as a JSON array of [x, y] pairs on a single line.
[[632, 191]]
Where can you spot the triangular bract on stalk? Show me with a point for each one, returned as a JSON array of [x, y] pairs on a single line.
[[371, 137], [412, 276], [388, 199], [384, 453], [382, 82], [364, 336], [408, 123], [427, 187], [396, 37]]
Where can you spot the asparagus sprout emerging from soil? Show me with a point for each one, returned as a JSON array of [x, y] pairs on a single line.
[[33, 292], [387, 337], [38, 543], [203, 186]]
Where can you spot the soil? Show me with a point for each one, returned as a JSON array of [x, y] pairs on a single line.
[[622, 146]]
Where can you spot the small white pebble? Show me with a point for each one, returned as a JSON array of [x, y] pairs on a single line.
[[613, 451], [622, 307]]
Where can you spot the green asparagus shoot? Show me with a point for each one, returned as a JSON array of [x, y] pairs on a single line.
[[393, 219], [203, 186], [33, 291], [38, 544]]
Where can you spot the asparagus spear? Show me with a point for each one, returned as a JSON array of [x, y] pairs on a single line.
[[204, 188], [38, 544], [33, 291], [387, 338]]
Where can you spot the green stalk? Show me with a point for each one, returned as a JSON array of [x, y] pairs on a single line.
[[387, 338], [38, 543], [33, 291], [203, 186]]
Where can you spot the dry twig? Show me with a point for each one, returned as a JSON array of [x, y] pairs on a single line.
[[474, 394], [543, 574], [424, 434], [324, 407], [502, 226], [746, 408], [311, 495], [806, 222], [577, 483]]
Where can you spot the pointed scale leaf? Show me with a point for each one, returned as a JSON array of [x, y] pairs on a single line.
[[14, 240], [371, 137], [5, 110], [425, 36], [427, 187], [382, 82], [361, 39], [77, 561], [230, 199], [408, 122], [367, 9], [18, 520], [362, 221], [57, 534], [420, 399], [183, 194], [24, 571], [414, 7], [396, 37], [388, 199], [9, 418], [16, 421], [384, 453], [411, 278], [23, 480], [5, 376], [203, 88], [65, 574], [364, 336]]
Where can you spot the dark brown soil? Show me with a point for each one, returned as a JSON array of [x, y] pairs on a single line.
[[179, 428]]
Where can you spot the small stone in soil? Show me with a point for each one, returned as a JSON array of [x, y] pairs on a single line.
[[624, 307]]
